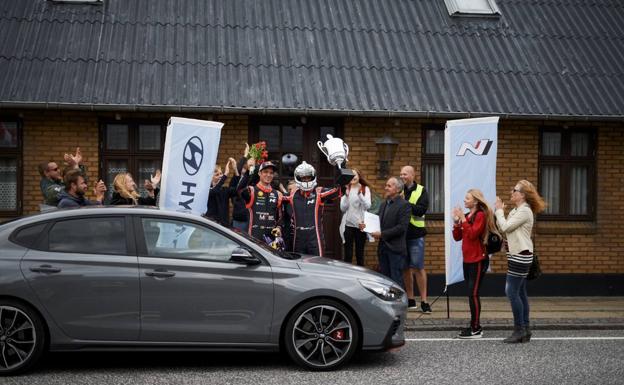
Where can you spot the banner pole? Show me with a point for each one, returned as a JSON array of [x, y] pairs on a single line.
[[448, 306]]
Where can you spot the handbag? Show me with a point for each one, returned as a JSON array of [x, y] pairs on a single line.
[[535, 270]]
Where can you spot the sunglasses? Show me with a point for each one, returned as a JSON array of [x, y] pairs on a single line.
[[516, 190], [54, 169]]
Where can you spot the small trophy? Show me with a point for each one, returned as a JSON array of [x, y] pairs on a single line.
[[336, 151]]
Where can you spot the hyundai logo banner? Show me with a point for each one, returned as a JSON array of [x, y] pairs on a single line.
[[189, 159], [470, 148]]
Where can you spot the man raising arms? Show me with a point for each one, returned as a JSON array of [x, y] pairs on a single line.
[[263, 202]]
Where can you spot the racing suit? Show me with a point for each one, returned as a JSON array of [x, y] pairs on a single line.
[[264, 206], [305, 210]]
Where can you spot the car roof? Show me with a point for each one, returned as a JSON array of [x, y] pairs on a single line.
[[100, 210]]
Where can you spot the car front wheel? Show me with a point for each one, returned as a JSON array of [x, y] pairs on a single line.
[[22, 337], [321, 335]]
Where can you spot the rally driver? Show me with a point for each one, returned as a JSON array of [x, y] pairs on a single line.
[[305, 210], [263, 202]]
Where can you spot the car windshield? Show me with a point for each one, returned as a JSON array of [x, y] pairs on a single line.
[[265, 246]]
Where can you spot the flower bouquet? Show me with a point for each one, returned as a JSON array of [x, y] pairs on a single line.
[[259, 152]]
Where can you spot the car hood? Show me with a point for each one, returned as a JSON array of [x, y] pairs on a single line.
[[331, 266]]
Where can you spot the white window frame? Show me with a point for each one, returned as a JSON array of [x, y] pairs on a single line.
[[465, 8], [78, 1]]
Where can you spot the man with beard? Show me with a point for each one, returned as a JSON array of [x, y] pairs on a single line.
[[75, 189], [51, 183]]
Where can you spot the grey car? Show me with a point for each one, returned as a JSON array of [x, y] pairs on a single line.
[[146, 279]]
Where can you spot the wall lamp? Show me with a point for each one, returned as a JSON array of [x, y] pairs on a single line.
[[386, 148]]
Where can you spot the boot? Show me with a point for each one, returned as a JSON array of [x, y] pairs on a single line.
[[527, 334], [516, 337]]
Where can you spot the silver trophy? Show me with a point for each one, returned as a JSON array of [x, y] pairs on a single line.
[[337, 151]]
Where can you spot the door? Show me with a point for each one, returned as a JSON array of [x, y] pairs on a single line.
[[191, 292], [86, 276], [299, 136]]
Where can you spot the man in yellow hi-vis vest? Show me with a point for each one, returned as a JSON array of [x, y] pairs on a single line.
[[418, 198]]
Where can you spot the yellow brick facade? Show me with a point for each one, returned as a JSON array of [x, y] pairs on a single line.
[[564, 247]]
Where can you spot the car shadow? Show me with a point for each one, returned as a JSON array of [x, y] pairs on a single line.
[[167, 361]]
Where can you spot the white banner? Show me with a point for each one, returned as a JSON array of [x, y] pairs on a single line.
[[189, 159], [470, 148]]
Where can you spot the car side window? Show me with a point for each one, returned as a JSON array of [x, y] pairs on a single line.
[[100, 235], [28, 236], [179, 239]]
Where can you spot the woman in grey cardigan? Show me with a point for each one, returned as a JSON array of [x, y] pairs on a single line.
[[517, 228], [353, 204]]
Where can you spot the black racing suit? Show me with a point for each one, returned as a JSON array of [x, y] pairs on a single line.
[[305, 210], [265, 206]]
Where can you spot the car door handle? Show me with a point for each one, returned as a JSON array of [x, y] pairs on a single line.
[[48, 269], [160, 273]]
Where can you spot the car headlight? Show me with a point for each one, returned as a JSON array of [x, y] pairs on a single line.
[[385, 292]]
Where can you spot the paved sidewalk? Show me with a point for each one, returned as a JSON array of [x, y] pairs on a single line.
[[546, 313]]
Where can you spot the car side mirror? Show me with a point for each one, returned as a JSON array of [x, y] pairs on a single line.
[[244, 256]]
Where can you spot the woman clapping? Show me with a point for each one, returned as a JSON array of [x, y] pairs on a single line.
[[472, 229], [517, 228]]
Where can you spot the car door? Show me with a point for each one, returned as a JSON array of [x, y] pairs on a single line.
[[191, 291], [85, 273]]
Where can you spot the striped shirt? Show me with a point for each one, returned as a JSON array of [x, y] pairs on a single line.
[[518, 265]]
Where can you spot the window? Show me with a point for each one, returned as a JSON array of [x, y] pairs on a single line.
[[177, 239], [135, 147], [433, 167], [10, 167], [472, 7], [27, 236], [78, 1], [282, 140], [103, 235], [567, 166]]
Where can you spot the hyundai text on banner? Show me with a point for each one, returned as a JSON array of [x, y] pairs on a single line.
[[189, 159], [469, 162]]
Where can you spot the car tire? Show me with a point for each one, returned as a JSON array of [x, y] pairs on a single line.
[[321, 334], [22, 337]]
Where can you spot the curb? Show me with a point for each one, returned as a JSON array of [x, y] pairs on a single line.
[[536, 324]]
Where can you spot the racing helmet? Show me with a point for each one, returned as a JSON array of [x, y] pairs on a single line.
[[303, 170]]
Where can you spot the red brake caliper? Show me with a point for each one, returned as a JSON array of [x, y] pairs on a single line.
[[338, 335]]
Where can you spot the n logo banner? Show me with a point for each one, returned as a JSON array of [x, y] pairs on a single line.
[[470, 149], [189, 159]]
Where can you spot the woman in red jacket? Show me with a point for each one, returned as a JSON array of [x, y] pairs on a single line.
[[472, 229]]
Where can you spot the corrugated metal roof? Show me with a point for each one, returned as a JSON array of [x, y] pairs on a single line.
[[540, 58]]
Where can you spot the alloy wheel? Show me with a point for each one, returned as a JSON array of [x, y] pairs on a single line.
[[322, 335], [18, 338]]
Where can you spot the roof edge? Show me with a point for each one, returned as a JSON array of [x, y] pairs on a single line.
[[299, 111]]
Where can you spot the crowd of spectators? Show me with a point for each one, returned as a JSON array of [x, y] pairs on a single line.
[[291, 218]]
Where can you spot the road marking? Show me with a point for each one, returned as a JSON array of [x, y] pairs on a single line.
[[532, 339]]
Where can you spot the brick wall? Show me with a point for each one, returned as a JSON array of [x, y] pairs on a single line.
[[48, 135], [564, 247]]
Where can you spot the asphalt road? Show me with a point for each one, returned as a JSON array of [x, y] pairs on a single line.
[[552, 357]]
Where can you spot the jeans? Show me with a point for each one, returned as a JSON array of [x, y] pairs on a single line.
[[392, 264], [416, 252], [352, 234], [516, 291]]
